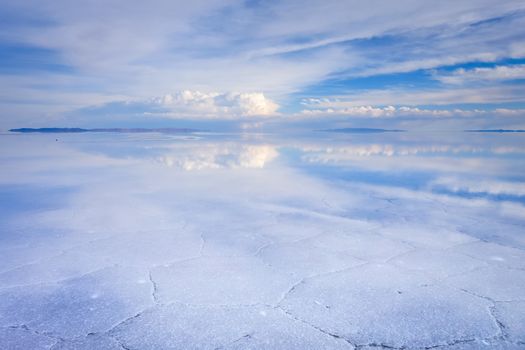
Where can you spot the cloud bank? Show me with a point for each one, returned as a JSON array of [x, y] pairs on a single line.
[[214, 104], [405, 111]]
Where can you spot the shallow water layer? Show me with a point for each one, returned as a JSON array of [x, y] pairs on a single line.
[[251, 241]]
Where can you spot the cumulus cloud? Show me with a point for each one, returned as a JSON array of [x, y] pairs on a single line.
[[404, 111], [476, 94], [215, 104], [361, 111]]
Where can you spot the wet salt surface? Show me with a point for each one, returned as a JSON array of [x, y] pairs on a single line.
[[152, 241]]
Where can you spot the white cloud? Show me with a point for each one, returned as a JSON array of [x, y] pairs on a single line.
[[338, 109], [254, 104], [138, 50], [360, 111], [476, 75], [217, 105], [412, 97]]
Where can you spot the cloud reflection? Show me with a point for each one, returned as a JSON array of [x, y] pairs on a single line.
[[218, 156], [244, 220]]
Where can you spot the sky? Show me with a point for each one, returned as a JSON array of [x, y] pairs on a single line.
[[258, 65]]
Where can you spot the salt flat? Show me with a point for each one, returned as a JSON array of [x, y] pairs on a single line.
[[203, 241]]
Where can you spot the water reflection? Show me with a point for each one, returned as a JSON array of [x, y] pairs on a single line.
[[126, 220], [216, 156]]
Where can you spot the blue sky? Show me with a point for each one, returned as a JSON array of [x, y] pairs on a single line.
[[250, 64]]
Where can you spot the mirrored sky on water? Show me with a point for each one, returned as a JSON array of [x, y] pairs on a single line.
[[487, 166], [104, 226]]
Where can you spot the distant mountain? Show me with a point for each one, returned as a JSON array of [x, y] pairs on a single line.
[[362, 130], [495, 130], [50, 130], [120, 130]]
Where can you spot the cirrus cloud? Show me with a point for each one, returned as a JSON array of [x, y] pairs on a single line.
[[483, 74]]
